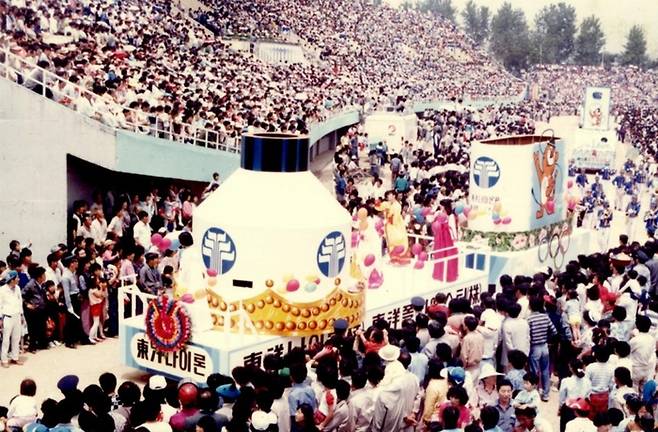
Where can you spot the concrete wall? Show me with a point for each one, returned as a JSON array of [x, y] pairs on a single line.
[[35, 137]]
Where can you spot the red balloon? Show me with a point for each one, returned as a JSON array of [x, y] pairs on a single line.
[[164, 244], [550, 206], [416, 249], [156, 239], [292, 285], [397, 250], [419, 265], [369, 260], [422, 256]]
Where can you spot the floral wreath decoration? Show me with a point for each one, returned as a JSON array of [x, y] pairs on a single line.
[[168, 324]]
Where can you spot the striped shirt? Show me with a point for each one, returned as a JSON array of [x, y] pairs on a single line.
[[601, 376], [541, 327]]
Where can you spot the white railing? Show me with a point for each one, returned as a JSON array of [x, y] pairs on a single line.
[[106, 111]]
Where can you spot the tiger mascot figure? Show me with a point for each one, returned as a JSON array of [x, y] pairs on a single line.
[[546, 167]]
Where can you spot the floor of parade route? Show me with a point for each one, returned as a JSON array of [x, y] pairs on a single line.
[[89, 361]]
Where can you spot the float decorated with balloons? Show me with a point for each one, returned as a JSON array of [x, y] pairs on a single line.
[[274, 260], [521, 202]]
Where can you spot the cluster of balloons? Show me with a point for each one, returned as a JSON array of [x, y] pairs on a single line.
[[498, 215], [163, 243], [312, 283], [420, 214], [466, 212], [419, 253]]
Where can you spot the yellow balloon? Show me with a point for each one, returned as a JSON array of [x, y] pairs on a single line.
[[287, 278], [311, 278], [497, 206]]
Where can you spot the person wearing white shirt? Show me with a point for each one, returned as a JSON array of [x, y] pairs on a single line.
[[83, 105], [643, 352], [53, 272], [11, 311], [99, 228], [515, 333], [361, 402], [142, 230]]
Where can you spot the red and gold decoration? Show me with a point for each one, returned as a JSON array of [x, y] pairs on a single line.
[[272, 313], [168, 324]]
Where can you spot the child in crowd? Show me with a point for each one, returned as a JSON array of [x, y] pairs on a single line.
[[515, 375], [573, 313], [528, 397], [23, 408], [97, 296]]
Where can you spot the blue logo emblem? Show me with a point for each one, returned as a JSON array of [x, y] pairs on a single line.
[[331, 254], [218, 250], [486, 172]]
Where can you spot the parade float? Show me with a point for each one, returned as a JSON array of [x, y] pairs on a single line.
[[273, 261], [522, 206]]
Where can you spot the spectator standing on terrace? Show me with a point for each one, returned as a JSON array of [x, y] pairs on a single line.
[[11, 310], [142, 230]]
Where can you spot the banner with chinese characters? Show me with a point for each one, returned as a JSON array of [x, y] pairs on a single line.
[[394, 313]]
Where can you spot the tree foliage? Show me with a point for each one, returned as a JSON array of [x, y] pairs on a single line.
[[476, 21], [635, 49], [554, 34], [443, 8], [589, 42], [510, 40]]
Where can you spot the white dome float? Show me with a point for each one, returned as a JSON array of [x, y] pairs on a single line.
[[278, 243]]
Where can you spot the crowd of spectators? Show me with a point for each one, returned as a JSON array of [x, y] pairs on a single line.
[[182, 78], [480, 364], [72, 298]]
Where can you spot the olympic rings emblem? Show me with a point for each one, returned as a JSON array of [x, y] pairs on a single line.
[[554, 246]]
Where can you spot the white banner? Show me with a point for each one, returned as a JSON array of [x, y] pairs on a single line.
[[192, 361]]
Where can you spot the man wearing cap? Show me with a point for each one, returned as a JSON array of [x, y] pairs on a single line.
[[581, 423], [11, 311], [393, 408]]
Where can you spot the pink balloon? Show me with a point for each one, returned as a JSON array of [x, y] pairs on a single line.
[[156, 239], [550, 206], [422, 256], [497, 221], [416, 248], [467, 210], [419, 265], [570, 184], [187, 298], [212, 272], [292, 285], [369, 260], [165, 243], [506, 220], [397, 250]]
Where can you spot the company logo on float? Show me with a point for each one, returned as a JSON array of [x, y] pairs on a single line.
[[331, 254], [218, 250], [486, 172]]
